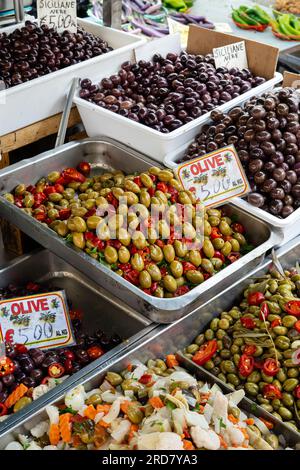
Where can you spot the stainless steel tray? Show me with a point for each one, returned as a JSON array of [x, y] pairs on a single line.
[[101, 310], [106, 154]]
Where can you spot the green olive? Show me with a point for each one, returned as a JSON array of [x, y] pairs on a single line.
[[220, 334], [53, 176], [207, 228], [159, 292], [272, 440], [111, 254], [224, 228], [55, 197], [114, 378], [235, 245], [209, 334], [194, 276], [240, 238], [254, 377], [28, 200], [137, 262], [145, 198], [192, 348], [21, 403], [93, 221], [288, 321], [208, 248], [289, 385], [170, 283], [222, 377], [218, 243], [156, 253], [123, 236], [224, 324], [78, 211], [146, 180], [188, 230], [78, 240], [282, 342], [200, 339], [169, 253], [236, 359], [229, 366], [94, 399], [194, 257], [214, 221], [207, 266], [281, 375], [233, 379], [145, 279], [176, 269], [164, 175], [214, 324], [266, 378], [227, 248], [287, 399], [209, 365], [123, 255], [259, 351], [131, 198], [77, 224], [251, 388], [62, 228], [280, 330], [180, 249], [154, 272], [293, 372], [285, 413]]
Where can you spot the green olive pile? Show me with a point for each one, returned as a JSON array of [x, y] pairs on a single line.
[[256, 346], [161, 263]]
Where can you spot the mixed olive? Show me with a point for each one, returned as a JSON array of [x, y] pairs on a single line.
[[154, 254], [33, 51], [170, 91], [33, 367], [266, 134], [256, 346]]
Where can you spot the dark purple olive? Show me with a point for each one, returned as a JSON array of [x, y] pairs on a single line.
[[275, 206], [287, 211], [269, 185], [37, 375], [29, 382], [291, 176], [277, 193], [256, 199], [3, 396], [37, 355], [8, 380], [82, 356], [279, 174], [296, 190]]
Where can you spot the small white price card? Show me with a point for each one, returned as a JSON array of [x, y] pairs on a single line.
[[233, 55], [38, 321], [58, 14], [215, 177]]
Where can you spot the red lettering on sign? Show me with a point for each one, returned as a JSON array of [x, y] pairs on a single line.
[[15, 309], [9, 336], [219, 160], [29, 306]]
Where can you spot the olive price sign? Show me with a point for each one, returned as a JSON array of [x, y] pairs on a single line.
[[215, 177], [58, 14], [40, 320]]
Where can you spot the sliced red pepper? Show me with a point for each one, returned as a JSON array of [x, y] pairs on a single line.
[[99, 244], [270, 367], [264, 311], [215, 233], [160, 243], [220, 256], [39, 198], [3, 409], [137, 180], [145, 379], [84, 168], [49, 190], [248, 323], [163, 187], [163, 271], [297, 392], [64, 214], [89, 236], [205, 352], [258, 364], [153, 177], [90, 213], [41, 217], [32, 287], [271, 391], [112, 200], [246, 365], [174, 194], [276, 322], [151, 192], [181, 291], [256, 298], [293, 307], [187, 266], [69, 355], [249, 349], [56, 370], [68, 365], [132, 277], [297, 326], [20, 348], [71, 174], [95, 352], [147, 291], [62, 180], [58, 188], [239, 228], [125, 267], [31, 189]]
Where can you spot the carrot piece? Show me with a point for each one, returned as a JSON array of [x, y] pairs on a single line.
[[76, 441], [103, 409], [65, 427], [223, 442], [156, 402], [124, 406], [54, 435], [187, 445], [90, 412], [171, 361], [250, 421], [133, 429], [15, 396], [104, 424], [129, 367], [267, 423], [233, 419], [246, 435]]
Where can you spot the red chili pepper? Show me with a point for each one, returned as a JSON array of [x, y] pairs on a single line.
[[181, 291], [271, 392], [153, 177], [68, 366], [147, 291], [219, 255], [187, 266], [256, 298], [48, 221], [84, 168], [69, 355], [160, 243], [20, 348], [248, 323], [151, 191], [163, 271], [125, 267], [145, 379], [64, 214], [71, 174], [56, 370], [89, 236], [205, 352], [90, 213], [246, 365], [162, 187], [112, 200], [238, 228], [62, 181], [297, 326], [7, 366], [116, 244], [154, 287], [233, 257], [293, 307], [45, 380], [297, 392], [270, 367], [276, 322], [137, 180], [132, 277], [32, 287], [95, 352], [215, 233], [41, 217], [31, 189], [249, 349], [39, 198], [3, 409], [174, 193], [58, 188], [264, 311], [133, 250], [49, 190], [99, 244]]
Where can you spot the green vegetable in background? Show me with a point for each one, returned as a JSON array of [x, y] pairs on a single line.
[[179, 5]]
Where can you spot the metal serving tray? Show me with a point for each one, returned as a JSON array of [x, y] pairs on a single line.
[[100, 309], [106, 154]]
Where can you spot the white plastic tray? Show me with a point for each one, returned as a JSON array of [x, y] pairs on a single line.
[[99, 121], [45, 96]]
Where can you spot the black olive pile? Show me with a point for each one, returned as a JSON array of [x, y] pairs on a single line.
[[32, 51], [266, 134], [166, 93]]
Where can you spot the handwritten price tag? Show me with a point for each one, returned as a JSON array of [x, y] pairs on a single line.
[[215, 177], [233, 55], [58, 14], [40, 321]]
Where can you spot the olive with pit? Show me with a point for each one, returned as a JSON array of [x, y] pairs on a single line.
[[137, 262], [111, 255], [154, 272], [194, 276], [176, 268], [170, 283], [145, 279]]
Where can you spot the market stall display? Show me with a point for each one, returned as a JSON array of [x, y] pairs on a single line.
[[290, 6], [104, 156]]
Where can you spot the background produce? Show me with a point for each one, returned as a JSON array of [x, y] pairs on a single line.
[[31, 368], [31, 51], [255, 346], [266, 134], [157, 259], [167, 93], [291, 6]]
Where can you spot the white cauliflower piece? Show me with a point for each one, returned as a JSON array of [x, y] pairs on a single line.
[[194, 419], [39, 391], [14, 445], [53, 414], [40, 429], [75, 398], [121, 431], [235, 436], [220, 406], [205, 439], [159, 441], [33, 446]]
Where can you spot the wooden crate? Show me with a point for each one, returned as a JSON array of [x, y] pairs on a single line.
[[14, 240]]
